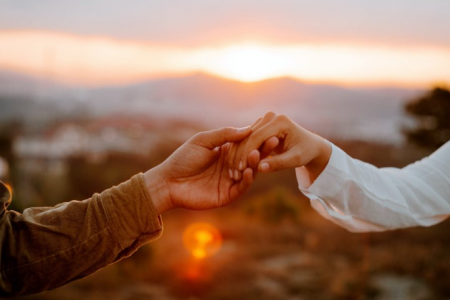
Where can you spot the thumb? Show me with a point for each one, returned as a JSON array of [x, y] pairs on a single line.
[[216, 138], [282, 161]]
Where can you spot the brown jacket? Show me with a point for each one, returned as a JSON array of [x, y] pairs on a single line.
[[47, 247]]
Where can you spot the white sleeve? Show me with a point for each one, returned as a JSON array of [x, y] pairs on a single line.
[[360, 197]]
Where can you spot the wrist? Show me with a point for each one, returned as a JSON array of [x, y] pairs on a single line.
[[320, 159], [158, 190]]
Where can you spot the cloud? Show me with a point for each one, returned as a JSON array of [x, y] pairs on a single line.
[[199, 22]]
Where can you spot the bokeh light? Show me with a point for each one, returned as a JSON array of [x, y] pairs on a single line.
[[202, 240]]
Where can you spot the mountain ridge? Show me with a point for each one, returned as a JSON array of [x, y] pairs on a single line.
[[362, 113]]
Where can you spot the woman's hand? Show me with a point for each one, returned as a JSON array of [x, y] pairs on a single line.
[[297, 147]]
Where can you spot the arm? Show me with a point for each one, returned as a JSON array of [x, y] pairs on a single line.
[[360, 197], [46, 247], [351, 193]]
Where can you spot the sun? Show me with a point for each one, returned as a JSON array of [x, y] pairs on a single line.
[[249, 62]]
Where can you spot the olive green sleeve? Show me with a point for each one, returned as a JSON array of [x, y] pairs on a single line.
[[47, 247]]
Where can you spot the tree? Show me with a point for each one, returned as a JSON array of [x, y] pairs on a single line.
[[432, 112]]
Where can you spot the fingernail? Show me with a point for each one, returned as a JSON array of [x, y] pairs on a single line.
[[265, 166], [240, 165], [236, 175], [242, 129], [230, 173]]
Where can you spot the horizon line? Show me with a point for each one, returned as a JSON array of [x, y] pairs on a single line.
[[136, 81]]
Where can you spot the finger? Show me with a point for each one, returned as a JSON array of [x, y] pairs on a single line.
[[255, 156], [239, 188], [269, 146], [286, 160], [227, 149], [235, 173], [255, 125], [247, 180], [256, 140], [230, 159], [264, 120], [239, 164], [232, 172], [253, 162], [216, 138], [253, 159]]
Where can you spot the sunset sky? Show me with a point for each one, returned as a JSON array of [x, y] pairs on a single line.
[[397, 43]]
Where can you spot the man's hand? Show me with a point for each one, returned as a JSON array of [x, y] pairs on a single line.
[[195, 176]]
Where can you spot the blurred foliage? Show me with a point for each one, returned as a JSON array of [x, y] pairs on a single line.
[[8, 131], [432, 111], [88, 178], [5, 144], [275, 206]]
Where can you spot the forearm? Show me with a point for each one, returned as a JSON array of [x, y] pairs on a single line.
[[48, 247]]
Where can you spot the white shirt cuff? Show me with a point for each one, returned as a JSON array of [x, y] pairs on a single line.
[[326, 187], [325, 183]]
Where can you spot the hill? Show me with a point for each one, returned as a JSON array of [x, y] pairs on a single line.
[[341, 112]]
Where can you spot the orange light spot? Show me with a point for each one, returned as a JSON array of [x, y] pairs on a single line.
[[199, 253], [202, 240], [203, 237]]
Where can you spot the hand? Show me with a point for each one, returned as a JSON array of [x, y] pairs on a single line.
[[195, 176], [297, 147], [256, 155]]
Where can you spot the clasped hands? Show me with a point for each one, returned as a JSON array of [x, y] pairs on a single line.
[[216, 167]]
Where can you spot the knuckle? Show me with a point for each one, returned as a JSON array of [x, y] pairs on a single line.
[[282, 118], [227, 131], [198, 136], [297, 157], [270, 115]]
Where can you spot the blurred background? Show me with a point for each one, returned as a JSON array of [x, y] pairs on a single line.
[[94, 92]]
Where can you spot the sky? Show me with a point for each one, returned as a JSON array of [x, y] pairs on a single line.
[[349, 42]]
